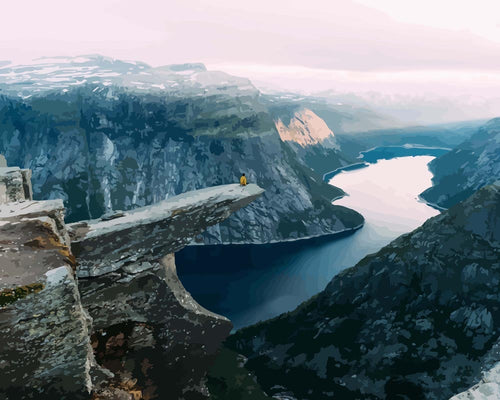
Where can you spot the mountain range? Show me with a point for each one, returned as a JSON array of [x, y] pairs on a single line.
[[107, 135], [418, 319]]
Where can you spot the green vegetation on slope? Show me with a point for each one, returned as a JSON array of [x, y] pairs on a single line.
[[228, 379]]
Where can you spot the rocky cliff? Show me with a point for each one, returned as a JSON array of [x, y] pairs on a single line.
[[468, 167], [95, 309], [313, 141], [106, 135], [418, 319]]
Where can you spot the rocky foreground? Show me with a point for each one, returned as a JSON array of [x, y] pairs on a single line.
[[418, 319], [95, 309]]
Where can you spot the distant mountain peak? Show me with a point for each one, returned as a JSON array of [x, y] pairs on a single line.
[[493, 123], [196, 67], [305, 128], [52, 74]]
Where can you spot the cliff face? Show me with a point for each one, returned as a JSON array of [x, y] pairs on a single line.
[[312, 141], [418, 319], [306, 128], [468, 167], [96, 308], [118, 145]]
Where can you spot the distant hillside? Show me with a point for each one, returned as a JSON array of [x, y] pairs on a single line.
[[341, 118], [443, 135], [104, 139], [468, 167], [313, 141]]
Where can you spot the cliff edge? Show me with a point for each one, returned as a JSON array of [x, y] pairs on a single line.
[[95, 309]]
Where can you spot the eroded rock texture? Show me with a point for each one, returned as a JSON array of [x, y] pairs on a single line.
[[148, 331], [15, 183], [128, 329], [45, 350]]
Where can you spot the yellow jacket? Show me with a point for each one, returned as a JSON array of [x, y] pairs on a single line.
[[243, 181]]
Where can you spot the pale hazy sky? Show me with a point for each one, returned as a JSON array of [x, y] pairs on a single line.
[[358, 42]]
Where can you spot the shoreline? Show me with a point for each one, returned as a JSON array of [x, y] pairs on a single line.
[[332, 235], [430, 204], [347, 231], [406, 146], [351, 167], [364, 163]]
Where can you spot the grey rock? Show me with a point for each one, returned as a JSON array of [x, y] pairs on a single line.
[[15, 184], [401, 323], [149, 233], [149, 318], [142, 315], [45, 350]]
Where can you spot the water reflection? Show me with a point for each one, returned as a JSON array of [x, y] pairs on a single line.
[[248, 283]]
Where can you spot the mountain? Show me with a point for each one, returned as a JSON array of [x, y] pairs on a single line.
[[417, 109], [420, 319], [63, 73], [468, 167], [353, 129], [306, 129], [107, 135], [442, 135], [341, 117], [313, 141]]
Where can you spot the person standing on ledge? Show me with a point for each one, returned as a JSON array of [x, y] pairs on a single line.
[[243, 180]]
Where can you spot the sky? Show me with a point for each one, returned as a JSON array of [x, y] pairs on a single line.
[[385, 45]]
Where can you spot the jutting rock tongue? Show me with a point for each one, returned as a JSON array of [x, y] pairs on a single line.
[[147, 329], [148, 233], [128, 329]]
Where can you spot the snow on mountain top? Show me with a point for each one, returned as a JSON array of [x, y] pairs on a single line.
[[62, 73]]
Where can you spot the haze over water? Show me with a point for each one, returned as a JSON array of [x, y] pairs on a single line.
[[386, 193], [248, 283]]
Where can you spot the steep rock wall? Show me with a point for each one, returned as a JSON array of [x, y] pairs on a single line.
[[115, 150]]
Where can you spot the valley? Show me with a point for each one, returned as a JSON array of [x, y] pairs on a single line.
[[249, 283], [360, 262]]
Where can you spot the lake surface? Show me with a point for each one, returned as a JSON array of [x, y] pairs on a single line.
[[249, 283], [387, 153]]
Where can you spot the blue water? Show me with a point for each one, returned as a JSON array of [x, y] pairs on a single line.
[[249, 283], [387, 153]]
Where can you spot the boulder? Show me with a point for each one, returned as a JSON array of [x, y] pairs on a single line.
[[45, 349]]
